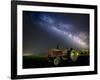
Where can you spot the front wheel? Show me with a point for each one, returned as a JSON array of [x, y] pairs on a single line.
[[56, 61]]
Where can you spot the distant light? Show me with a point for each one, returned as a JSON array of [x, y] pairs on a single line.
[[27, 54]]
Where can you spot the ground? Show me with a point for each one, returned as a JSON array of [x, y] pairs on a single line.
[[42, 62]]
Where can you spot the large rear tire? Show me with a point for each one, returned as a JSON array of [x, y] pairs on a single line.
[[74, 55]]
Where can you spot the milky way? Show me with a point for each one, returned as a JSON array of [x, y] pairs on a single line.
[[64, 30], [43, 31]]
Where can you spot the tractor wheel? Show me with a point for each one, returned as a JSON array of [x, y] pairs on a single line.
[[56, 61], [74, 55]]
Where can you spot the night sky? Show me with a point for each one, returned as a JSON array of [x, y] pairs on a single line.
[[43, 31]]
